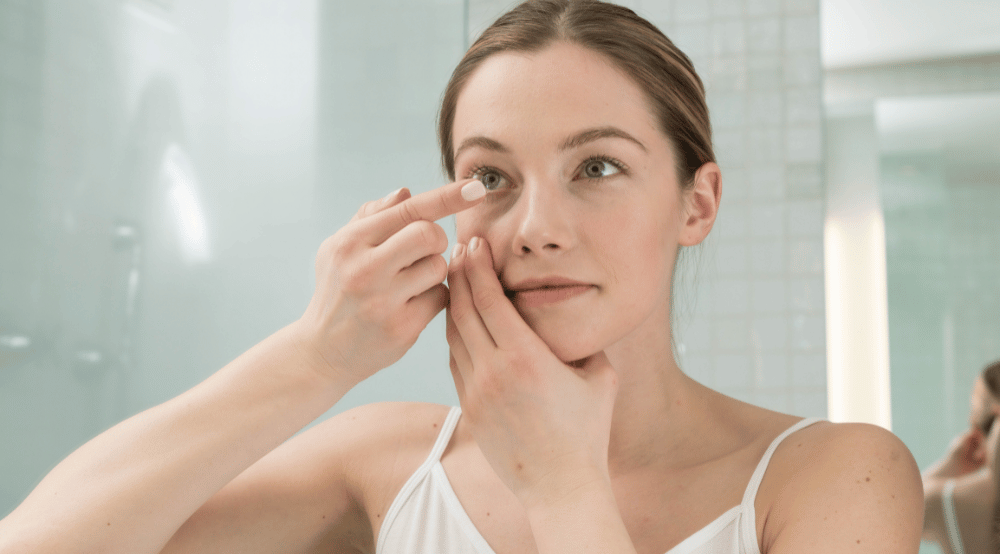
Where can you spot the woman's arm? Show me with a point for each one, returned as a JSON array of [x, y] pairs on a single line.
[[965, 455], [849, 488], [379, 282], [131, 488]]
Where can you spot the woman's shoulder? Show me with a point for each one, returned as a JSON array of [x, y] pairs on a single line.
[[365, 438], [376, 447], [381, 424], [827, 478]]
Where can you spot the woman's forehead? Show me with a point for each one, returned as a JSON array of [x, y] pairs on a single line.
[[561, 89]]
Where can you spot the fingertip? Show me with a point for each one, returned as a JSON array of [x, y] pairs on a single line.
[[479, 251], [473, 190]]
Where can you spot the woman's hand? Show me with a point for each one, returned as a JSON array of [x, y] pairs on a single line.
[[966, 454], [379, 281], [543, 425]]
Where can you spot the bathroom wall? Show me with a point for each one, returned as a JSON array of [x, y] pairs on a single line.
[[750, 302]]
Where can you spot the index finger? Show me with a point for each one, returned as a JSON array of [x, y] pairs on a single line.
[[431, 206]]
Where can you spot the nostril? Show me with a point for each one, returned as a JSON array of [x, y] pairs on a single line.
[[525, 250]]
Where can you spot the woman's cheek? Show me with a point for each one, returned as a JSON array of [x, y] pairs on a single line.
[[483, 220]]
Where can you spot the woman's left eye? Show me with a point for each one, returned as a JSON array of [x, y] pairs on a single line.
[[598, 168]]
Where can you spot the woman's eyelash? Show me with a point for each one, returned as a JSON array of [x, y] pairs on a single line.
[[617, 164], [479, 170]]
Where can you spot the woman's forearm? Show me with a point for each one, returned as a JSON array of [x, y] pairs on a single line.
[[130, 488]]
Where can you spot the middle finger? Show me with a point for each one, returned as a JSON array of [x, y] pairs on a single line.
[[463, 311]]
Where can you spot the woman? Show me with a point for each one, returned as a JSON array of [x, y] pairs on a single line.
[[960, 489], [578, 432]]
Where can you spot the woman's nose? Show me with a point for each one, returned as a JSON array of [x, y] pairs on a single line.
[[544, 220]]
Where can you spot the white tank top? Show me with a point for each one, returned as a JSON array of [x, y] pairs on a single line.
[[950, 519], [426, 516]]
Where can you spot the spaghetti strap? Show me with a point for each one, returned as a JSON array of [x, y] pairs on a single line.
[[748, 525], [950, 519], [758, 474], [444, 437]]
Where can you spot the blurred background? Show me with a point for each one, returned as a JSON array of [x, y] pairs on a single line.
[[168, 169]]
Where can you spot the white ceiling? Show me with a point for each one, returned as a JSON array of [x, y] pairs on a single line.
[[867, 32]]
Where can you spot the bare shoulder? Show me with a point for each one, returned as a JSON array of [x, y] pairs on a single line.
[[326, 486], [372, 449], [839, 486], [378, 446]]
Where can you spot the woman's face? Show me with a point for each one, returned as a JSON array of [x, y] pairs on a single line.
[[584, 208]]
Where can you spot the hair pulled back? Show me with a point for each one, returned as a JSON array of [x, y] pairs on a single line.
[[991, 376], [666, 75]]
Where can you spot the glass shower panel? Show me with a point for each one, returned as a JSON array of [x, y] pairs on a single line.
[[168, 169]]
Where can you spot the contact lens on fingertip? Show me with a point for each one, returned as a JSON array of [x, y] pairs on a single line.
[[473, 191]]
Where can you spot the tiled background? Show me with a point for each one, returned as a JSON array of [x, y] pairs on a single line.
[[750, 301]]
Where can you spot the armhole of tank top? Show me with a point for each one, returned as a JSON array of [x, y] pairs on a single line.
[[749, 521], [443, 438], [950, 518]]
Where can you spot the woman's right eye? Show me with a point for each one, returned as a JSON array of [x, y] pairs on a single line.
[[490, 178]]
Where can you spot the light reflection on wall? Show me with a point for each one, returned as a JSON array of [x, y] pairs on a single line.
[[858, 378], [179, 177]]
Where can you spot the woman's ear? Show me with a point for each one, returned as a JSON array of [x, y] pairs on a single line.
[[701, 205]]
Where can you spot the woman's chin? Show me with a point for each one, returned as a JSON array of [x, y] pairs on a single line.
[[569, 347]]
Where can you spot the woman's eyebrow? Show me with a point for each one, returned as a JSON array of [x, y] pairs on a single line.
[[590, 135], [481, 142], [575, 141]]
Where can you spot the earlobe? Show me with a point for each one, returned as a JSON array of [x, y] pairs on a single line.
[[701, 204]]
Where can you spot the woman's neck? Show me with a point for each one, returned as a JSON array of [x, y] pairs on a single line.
[[660, 414]]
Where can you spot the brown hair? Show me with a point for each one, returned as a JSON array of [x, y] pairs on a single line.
[[991, 376], [635, 46]]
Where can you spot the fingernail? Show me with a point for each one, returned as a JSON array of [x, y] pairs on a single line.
[[473, 191], [392, 194], [473, 244], [457, 251]]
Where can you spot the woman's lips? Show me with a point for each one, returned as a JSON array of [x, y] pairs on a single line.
[[527, 298]]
